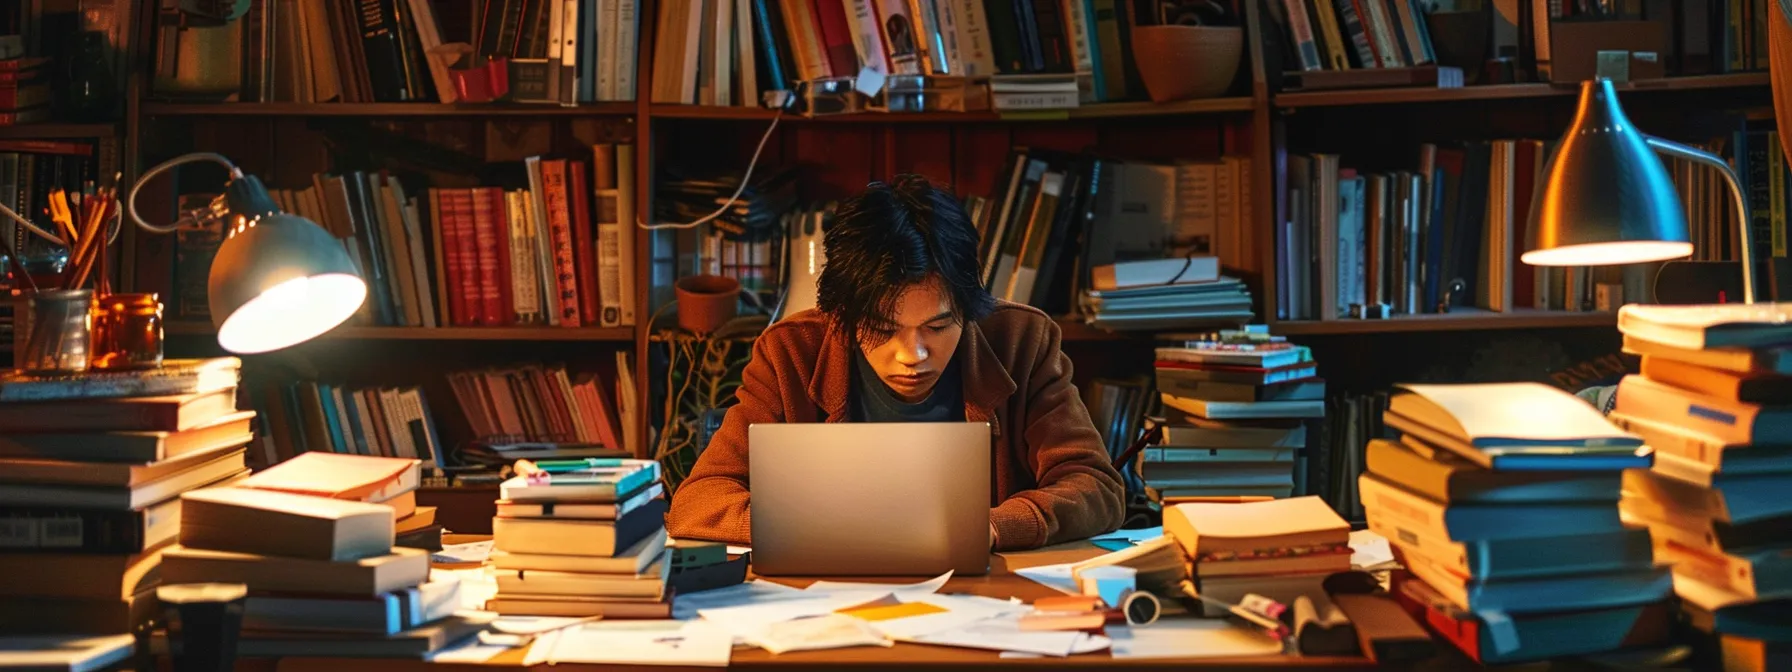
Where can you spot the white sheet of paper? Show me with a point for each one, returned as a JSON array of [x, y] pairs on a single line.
[[1190, 638], [1056, 577], [685, 606], [830, 631], [1368, 549], [1133, 536], [739, 550], [476, 551], [962, 611], [932, 585], [751, 622], [1003, 633], [643, 643], [476, 585], [469, 651]]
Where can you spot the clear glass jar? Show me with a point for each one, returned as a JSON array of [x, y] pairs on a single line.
[[128, 332]]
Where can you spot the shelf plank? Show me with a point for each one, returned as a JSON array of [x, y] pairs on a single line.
[[614, 334], [381, 110], [72, 131], [1074, 330], [1393, 96], [1461, 320], [1097, 111]]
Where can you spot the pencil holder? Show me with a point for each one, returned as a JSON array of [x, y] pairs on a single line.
[[58, 335], [127, 332]]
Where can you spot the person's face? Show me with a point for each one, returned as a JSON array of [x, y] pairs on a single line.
[[912, 350]]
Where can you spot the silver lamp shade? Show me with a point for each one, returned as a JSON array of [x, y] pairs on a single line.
[[278, 279], [1605, 198]]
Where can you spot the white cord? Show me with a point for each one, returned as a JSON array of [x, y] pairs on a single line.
[[744, 180]]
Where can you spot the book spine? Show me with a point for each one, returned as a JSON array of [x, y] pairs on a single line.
[[488, 228], [72, 530], [559, 221], [900, 37], [385, 63], [807, 46], [974, 46], [867, 37], [584, 242], [1301, 31], [836, 37], [772, 45]]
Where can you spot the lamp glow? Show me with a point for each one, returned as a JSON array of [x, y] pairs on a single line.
[[292, 312]]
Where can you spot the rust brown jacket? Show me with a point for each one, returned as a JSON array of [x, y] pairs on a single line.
[[1053, 479]]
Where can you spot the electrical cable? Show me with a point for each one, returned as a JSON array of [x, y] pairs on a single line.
[[744, 180]]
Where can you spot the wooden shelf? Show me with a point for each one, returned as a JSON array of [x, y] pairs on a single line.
[[1097, 111], [39, 131], [1461, 320], [611, 334], [155, 109], [1348, 97]]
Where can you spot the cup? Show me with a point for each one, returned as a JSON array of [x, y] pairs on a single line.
[[57, 328], [206, 619], [706, 302]]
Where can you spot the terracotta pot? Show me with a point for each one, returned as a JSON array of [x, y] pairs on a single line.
[[1187, 62], [706, 302]]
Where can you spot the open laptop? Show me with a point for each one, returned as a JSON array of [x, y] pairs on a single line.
[[869, 499]]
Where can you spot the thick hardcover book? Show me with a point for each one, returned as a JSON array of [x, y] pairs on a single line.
[[26, 529], [381, 43]]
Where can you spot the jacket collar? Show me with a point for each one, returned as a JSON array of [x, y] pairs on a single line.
[[987, 385]]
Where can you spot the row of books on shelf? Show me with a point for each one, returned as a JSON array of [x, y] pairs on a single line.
[[24, 90], [555, 253], [541, 404], [1058, 221], [731, 52], [30, 170], [397, 51], [1709, 36], [1448, 234], [307, 416]]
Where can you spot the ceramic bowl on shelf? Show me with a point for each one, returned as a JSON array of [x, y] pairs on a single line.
[[1187, 62]]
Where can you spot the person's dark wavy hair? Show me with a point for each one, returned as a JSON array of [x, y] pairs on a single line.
[[887, 239]]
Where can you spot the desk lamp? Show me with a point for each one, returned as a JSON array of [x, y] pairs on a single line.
[[1607, 199], [277, 280]]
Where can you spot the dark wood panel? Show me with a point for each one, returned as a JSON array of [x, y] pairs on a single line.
[[844, 159], [978, 153], [924, 150]]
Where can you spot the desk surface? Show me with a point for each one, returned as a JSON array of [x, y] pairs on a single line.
[[1001, 582]]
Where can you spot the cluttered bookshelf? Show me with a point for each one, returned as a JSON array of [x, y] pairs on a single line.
[[385, 151]]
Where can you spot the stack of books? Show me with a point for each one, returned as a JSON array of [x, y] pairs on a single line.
[[1280, 549], [1714, 400], [1501, 502], [91, 470], [323, 576], [376, 480], [582, 538], [1234, 403], [1165, 294]]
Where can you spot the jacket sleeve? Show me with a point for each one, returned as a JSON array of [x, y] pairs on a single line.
[[711, 503], [1080, 493]]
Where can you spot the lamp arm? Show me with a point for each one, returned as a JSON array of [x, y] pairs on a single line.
[[165, 166], [131, 202], [1696, 155]]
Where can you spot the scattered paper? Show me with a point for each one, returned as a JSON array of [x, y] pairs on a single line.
[[932, 585], [831, 631], [1056, 577], [1190, 638], [1134, 537], [944, 613], [1003, 633], [739, 550], [752, 623], [1369, 550], [642, 643], [469, 651], [686, 605], [532, 625], [1018, 654], [476, 585], [473, 552]]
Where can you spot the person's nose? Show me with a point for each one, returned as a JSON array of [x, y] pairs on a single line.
[[911, 351]]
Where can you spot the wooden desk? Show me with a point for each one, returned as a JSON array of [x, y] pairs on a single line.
[[1001, 582]]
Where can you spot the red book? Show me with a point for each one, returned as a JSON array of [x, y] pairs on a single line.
[[583, 240], [490, 236], [559, 220], [836, 38], [1524, 183], [456, 207], [501, 283]]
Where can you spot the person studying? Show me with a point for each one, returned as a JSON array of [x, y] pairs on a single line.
[[905, 332]]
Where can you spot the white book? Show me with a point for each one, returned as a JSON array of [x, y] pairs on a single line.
[[1724, 325], [745, 58], [1508, 414], [1153, 272], [609, 22], [973, 38], [1082, 45], [628, 35], [867, 36]]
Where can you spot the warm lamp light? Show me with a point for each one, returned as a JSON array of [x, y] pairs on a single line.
[[1606, 198], [278, 279]]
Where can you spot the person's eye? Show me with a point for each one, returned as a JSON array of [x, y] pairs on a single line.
[[939, 328]]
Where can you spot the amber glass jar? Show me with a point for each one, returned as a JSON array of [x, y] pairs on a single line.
[[128, 332]]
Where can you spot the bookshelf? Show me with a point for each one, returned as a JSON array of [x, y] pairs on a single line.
[[962, 149]]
